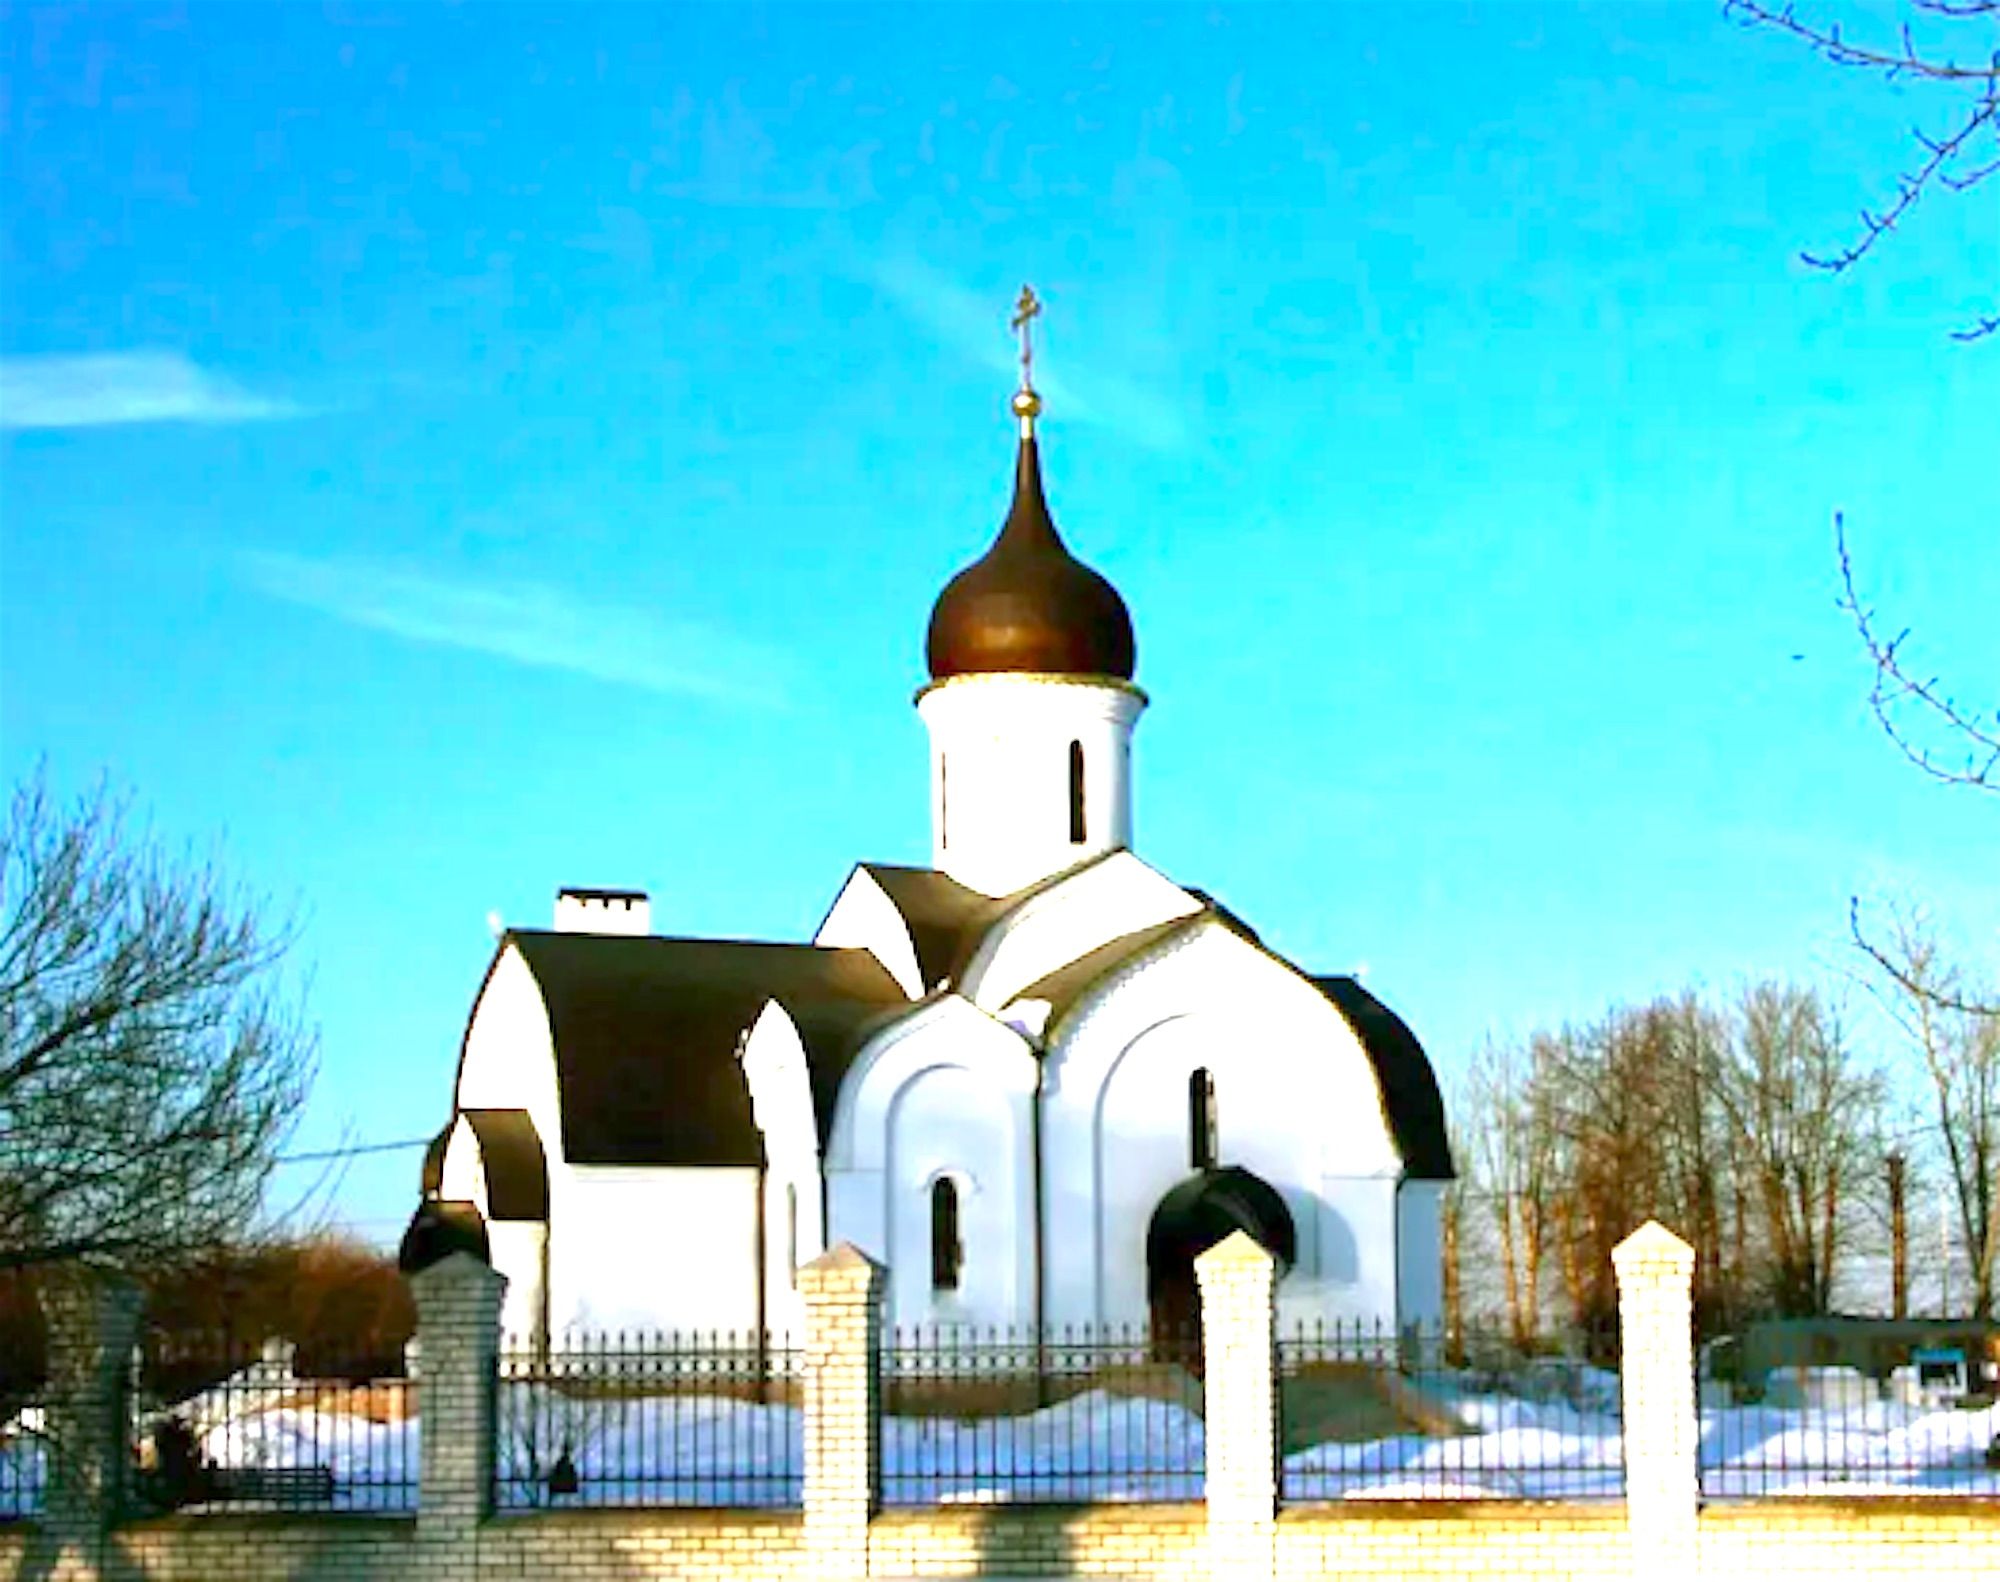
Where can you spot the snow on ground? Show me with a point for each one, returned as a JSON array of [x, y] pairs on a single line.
[[1097, 1446]]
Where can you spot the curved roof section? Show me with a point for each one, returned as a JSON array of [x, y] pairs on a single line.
[[1411, 1100], [1205, 1208], [433, 1179], [646, 1032], [510, 1152], [1028, 604], [1410, 1096], [439, 1228], [945, 919]]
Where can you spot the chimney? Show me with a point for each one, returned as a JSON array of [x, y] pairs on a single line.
[[603, 912]]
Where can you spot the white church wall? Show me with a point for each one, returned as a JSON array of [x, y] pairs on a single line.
[[1419, 1211], [794, 1235], [462, 1175], [780, 1082], [1000, 774], [1356, 1255], [948, 1091], [864, 918], [625, 1240], [509, 1058], [519, 1250], [1296, 1104], [515, 1247], [1119, 895]]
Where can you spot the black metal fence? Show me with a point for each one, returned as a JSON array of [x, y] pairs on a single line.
[[1840, 1431], [226, 1426], [23, 1455], [681, 1419], [1063, 1414], [1368, 1411]]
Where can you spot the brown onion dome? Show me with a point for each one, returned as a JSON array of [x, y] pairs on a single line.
[[1027, 604]]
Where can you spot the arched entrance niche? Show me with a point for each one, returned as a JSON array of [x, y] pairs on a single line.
[[1189, 1220]]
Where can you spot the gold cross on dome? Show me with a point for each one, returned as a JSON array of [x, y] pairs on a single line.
[[1026, 311]]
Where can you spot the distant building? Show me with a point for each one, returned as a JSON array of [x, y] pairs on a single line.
[[1034, 1078]]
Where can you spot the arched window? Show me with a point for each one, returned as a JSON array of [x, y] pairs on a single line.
[[1076, 824], [947, 1251], [1201, 1119]]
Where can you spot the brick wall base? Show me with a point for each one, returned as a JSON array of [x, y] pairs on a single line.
[[1886, 1540]]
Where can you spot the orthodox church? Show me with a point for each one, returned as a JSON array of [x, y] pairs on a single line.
[[1033, 1079]]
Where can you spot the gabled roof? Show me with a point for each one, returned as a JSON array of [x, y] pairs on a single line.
[[1068, 984], [646, 1032], [1410, 1096], [1411, 1102], [945, 919]]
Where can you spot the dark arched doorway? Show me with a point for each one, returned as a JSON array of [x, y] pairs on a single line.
[[1190, 1219]]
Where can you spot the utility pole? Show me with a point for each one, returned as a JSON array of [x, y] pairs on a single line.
[[1899, 1238]]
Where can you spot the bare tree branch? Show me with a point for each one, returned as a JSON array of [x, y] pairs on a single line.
[[1974, 120], [1895, 687]]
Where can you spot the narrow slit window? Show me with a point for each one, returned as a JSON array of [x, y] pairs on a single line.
[[1201, 1119], [944, 800], [947, 1250], [1076, 823], [792, 1229]]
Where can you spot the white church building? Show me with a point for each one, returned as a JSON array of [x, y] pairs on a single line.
[[1033, 1079]]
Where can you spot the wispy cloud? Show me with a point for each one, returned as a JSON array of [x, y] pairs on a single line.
[[104, 388], [531, 625], [975, 326]]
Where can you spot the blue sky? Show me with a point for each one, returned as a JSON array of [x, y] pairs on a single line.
[[455, 451]]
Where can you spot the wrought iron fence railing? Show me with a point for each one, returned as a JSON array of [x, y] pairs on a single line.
[[222, 1425], [669, 1419], [23, 1454], [1062, 1414], [1369, 1411], [1836, 1430]]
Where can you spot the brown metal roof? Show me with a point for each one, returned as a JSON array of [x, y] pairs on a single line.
[[1410, 1096], [945, 919], [439, 1228], [1027, 604], [510, 1152], [646, 1032]]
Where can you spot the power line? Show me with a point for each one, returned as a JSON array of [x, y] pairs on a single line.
[[325, 1154]]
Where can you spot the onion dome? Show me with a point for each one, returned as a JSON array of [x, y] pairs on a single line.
[[1027, 604]]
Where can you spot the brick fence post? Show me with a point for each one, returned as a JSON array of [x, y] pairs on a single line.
[[458, 1320], [1236, 1277], [93, 1321], [1655, 1271], [843, 1409]]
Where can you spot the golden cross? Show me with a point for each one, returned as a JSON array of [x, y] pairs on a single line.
[[1026, 311]]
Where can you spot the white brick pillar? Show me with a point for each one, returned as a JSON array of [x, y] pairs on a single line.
[[843, 1418], [1656, 1322], [93, 1320], [1236, 1277], [458, 1320]]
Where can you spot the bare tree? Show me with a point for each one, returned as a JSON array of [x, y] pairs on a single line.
[[1959, 1042], [148, 1069], [1799, 1104], [1513, 1167], [1745, 1127], [1964, 152]]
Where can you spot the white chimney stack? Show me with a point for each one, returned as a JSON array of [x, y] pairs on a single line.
[[603, 912]]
